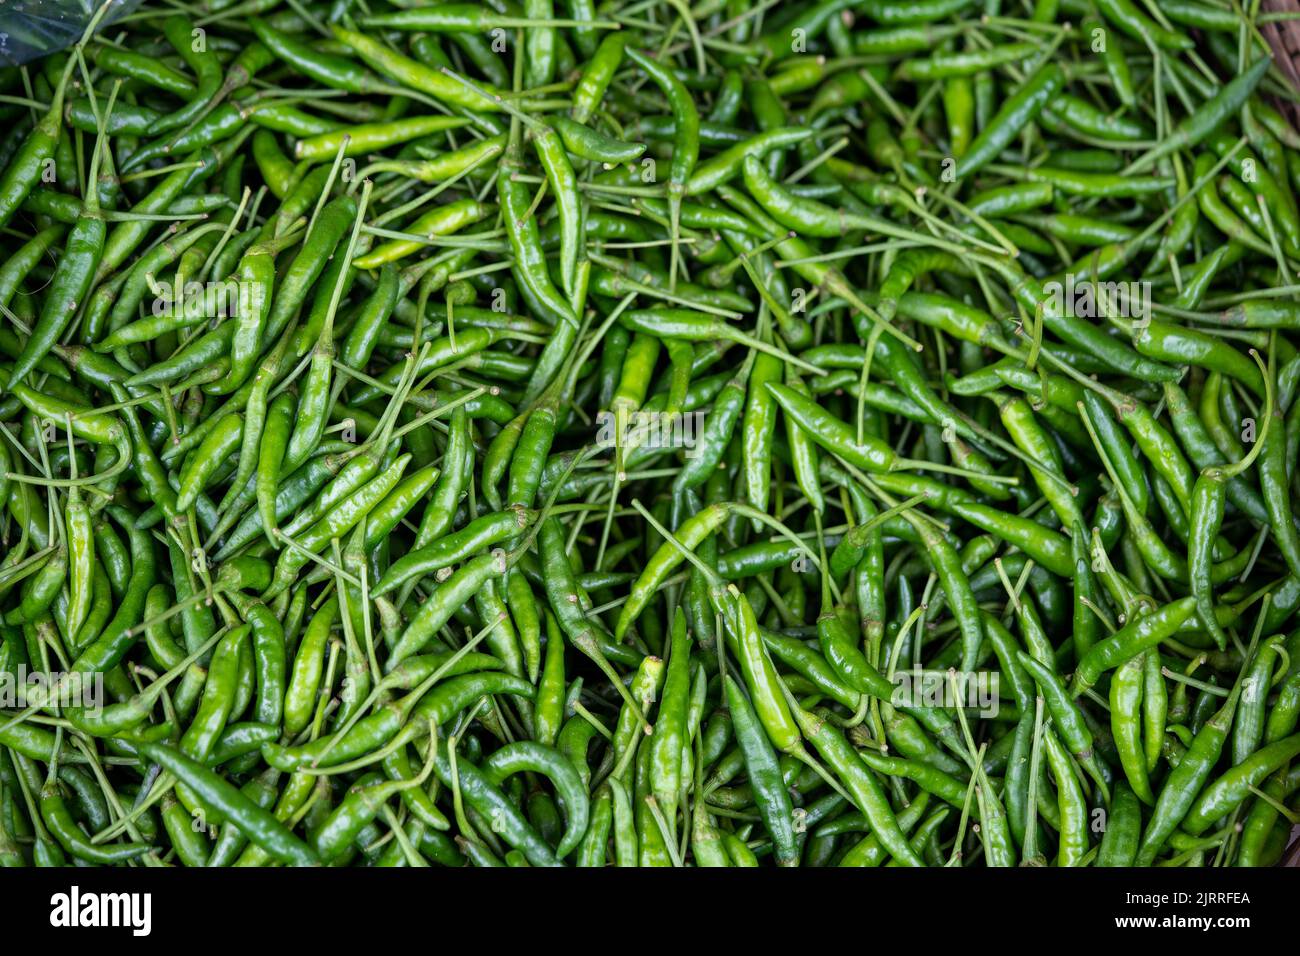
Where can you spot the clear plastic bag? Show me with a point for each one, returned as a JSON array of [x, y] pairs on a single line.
[[30, 29]]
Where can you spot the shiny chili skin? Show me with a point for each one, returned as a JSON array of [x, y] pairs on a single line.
[[1185, 781], [259, 825]]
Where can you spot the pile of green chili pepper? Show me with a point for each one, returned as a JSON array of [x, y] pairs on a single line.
[[846, 433]]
